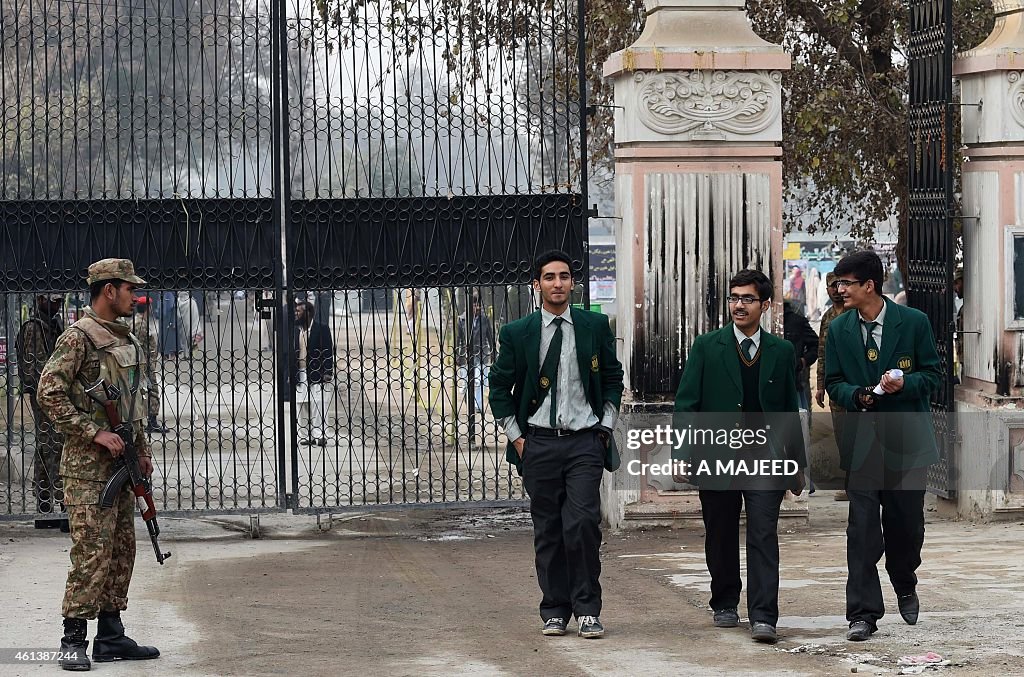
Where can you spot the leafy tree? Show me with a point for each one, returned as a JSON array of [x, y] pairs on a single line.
[[131, 98], [501, 76], [844, 115]]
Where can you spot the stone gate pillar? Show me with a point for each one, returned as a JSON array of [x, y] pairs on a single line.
[[989, 453], [698, 186]]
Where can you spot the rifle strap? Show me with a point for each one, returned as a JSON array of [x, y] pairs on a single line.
[[136, 376]]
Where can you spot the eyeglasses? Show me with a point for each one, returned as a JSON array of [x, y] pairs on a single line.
[[843, 284], [745, 300]]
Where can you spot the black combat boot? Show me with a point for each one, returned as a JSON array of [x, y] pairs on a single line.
[[44, 507], [154, 425], [111, 644], [74, 647]]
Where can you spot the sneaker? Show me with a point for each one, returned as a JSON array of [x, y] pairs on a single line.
[[554, 627], [590, 627], [840, 496], [726, 618], [763, 632]]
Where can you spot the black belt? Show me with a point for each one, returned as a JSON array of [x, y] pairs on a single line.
[[555, 432]]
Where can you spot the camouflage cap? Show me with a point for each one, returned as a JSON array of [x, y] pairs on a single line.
[[113, 269]]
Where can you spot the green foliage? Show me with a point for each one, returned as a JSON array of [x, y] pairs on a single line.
[[845, 117]]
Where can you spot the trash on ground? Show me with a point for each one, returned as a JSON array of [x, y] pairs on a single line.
[[808, 648], [923, 659], [916, 665], [867, 659]]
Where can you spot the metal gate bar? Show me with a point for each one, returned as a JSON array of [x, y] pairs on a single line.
[[930, 239], [249, 155]]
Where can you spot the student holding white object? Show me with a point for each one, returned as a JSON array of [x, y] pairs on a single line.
[[881, 364]]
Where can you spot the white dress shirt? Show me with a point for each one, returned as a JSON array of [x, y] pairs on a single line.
[[573, 409], [877, 331], [740, 337]]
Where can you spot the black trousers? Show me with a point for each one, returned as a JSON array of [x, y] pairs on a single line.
[[563, 477], [721, 513], [886, 517]]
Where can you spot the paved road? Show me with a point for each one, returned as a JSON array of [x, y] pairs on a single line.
[[453, 593]]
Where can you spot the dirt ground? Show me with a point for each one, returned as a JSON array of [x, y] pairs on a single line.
[[426, 592]]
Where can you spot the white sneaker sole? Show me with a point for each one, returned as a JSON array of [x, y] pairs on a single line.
[[552, 632], [593, 634]]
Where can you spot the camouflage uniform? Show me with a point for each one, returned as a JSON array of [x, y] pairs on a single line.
[[103, 549], [35, 343], [838, 412], [832, 313], [144, 332]]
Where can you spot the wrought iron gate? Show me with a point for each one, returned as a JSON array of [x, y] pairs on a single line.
[[930, 242], [390, 163]]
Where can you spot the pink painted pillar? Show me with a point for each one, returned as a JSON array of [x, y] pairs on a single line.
[[989, 454], [698, 127]]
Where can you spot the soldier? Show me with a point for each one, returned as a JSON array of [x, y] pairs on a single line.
[[34, 345], [146, 330], [837, 308], [98, 347]]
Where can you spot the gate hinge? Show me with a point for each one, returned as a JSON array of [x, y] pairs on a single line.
[[591, 110]]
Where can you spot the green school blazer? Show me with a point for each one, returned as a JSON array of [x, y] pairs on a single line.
[[904, 428], [710, 395], [515, 374]]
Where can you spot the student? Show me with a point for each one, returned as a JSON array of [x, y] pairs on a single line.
[[886, 447], [743, 368], [555, 389]]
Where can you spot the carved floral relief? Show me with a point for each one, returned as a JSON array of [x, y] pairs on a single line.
[[709, 102]]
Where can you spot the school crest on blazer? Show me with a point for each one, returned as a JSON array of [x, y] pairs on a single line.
[[901, 425]]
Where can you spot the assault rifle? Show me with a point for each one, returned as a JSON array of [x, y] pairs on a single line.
[[126, 466]]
